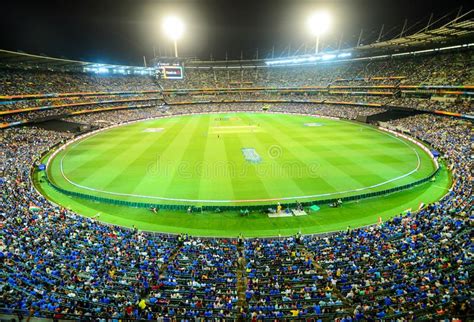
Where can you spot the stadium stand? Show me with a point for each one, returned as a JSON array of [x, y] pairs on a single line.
[[440, 69], [438, 82], [57, 264]]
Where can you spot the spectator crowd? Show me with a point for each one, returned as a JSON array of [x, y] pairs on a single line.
[[57, 264], [381, 81]]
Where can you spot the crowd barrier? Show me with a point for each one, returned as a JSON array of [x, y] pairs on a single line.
[[88, 111], [216, 208], [237, 89], [50, 95], [348, 103], [50, 107]]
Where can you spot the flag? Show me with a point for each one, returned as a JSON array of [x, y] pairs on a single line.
[[34, 208]]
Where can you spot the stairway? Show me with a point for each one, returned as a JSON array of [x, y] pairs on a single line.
[[241, 281]]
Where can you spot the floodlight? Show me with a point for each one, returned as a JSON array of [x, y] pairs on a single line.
[[173, 27], [319, 22]]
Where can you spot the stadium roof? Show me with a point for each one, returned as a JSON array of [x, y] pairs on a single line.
[[19, 59], [456, 32], [453, 32], [14, 59]]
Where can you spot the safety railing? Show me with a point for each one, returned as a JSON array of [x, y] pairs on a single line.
[[219, 208]]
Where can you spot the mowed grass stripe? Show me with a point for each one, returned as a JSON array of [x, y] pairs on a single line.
[[216, 168], [134, 176], [277, 179], [399, 152], [355, 159], [161, 167], [246, 183], [91, 155], [185, 181], [180, 182], [82, 168], [317, 154], [99, 172], [392, 157], [400, 156], [280, 173], [328, 174], [354, 165]]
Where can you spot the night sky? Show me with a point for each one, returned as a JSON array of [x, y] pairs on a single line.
[[123, 31]]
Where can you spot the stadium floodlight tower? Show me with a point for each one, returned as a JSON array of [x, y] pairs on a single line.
[[318, 24], [174, 29]]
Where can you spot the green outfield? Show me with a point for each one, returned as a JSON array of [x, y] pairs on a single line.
[[242, 159]]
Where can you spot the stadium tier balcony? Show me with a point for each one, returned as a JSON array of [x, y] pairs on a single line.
[[437, 82]]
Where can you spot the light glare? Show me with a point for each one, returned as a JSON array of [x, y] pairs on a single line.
[[319, 22], [173, 27]]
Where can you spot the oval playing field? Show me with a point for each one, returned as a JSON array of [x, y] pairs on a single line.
[[237, 159]]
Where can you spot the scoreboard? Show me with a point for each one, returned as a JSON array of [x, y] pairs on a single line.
[[170, 72]]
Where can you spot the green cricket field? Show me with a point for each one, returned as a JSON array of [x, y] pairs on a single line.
[[241, 159]]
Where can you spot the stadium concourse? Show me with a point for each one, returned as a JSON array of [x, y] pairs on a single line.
[[58, 264]]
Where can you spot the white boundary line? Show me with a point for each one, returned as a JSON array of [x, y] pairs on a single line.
[[390, 133]]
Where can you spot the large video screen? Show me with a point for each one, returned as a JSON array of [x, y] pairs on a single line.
[[171, 72]]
